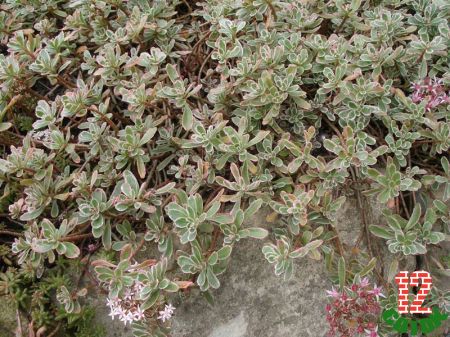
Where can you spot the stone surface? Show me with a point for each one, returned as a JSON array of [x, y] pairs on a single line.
[[253, 302], [349, 224]]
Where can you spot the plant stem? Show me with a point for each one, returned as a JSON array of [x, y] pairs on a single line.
[[11, 103], [77, 237], [272, 9], [12, 233], [138, 248], [105, 118]]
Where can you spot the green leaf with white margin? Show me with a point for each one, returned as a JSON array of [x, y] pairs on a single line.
[[188, 118], [392, 270], [303, 251], [147, 136], [381, 232], [259, 137], [72, 251], [223, 218], [201, 279], [106, 236], [212, 278], [130, 187], [169, 286], [175, 212], [5, 126], [5, 165], [213, 209], [254, 232], [213, 258], [165, 189], [150, 301], [253, 208], [172, 72], [32, 215], [224, 252], [369, 267], [414, 219], [42, 246]]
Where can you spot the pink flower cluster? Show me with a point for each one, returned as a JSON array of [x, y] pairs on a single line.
[[127, 308], [354, 311], [432, 91]]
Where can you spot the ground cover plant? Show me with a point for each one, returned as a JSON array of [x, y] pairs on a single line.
[[163, 125]]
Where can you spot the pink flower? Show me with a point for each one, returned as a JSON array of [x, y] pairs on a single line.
[[113, 302], [333, 293], [364, 282], [116, 311], [416, 86], [417, 97], [377, 292], [127, 309], [128, 295], [113, 314], [139, 314], [372, 333], [170, 308], [109, 302], [430, 90], [127, 317], [167, 313], [138, 285]]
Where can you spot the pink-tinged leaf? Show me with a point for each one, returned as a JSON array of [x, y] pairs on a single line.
[[184, 284]]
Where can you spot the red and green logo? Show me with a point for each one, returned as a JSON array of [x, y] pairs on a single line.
[[412, 324]]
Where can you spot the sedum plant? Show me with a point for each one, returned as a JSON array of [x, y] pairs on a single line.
[[139, 140], [410, 236]]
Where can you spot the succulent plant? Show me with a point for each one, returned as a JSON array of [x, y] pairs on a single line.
[[132, 125]]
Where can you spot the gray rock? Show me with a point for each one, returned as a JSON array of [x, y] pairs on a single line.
[[349, 223], [252, 301]]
